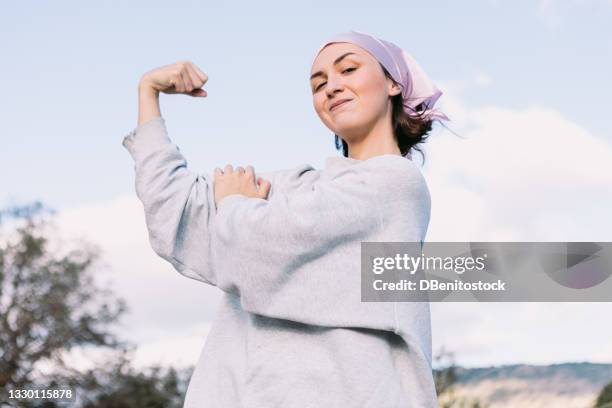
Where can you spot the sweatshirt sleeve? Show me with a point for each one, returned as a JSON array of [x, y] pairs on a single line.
[[178, 203], [297, 255]]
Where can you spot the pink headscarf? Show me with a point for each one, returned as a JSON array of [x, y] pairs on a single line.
[[416, 86]]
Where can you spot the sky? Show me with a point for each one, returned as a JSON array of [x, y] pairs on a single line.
[[525, 84]]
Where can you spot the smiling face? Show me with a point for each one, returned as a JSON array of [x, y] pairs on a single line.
[[346, 72]]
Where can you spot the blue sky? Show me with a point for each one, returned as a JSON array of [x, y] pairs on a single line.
[[71, 68], [527, 81]]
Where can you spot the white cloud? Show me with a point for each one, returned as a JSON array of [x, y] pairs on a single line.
[[518, 175], [179, 349], [528, 174], [168, 314], [537, 333]]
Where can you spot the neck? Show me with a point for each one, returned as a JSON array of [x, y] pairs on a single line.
[[378, 141]]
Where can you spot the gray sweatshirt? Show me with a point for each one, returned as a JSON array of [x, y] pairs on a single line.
[[291, 330]]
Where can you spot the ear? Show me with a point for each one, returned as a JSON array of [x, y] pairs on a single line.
[[394, 88]]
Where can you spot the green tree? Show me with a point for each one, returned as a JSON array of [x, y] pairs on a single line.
[[121, 386], [445, 377], [604, 399], [48, 302]]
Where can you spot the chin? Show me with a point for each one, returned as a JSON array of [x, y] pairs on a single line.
[[347, 127]]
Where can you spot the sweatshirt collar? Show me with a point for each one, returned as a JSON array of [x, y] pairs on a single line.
[[335, 163]]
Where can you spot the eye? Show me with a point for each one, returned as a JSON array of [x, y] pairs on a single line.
[[323, 83]]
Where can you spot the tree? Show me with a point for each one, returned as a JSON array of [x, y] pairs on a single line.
[[604, 400], [445, 378], [49, 302], [124, 387], [116, 384], [120, 386]]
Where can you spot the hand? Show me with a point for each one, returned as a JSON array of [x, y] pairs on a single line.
[[239, 181], [182, 77]]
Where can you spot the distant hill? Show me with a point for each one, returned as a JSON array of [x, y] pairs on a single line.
[[567, 385]]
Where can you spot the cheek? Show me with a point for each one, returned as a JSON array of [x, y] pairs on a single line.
[[371, 93], [319, 104]]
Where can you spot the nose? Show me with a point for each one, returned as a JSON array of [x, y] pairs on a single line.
[[334, 85]]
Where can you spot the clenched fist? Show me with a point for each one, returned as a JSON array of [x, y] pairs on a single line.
[[182, 77], [239, 181]]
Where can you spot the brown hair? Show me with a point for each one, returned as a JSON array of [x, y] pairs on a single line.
[[408, 131]]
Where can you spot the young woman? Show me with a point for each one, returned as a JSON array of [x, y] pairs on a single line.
[[291, 330]]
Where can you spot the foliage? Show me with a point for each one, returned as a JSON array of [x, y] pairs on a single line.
[[49, 303], [445, 378], [604, 399], [121, 386]]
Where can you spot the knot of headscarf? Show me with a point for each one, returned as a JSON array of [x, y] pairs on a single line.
[[419, 93]]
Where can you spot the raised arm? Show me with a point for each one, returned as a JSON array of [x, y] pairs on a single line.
[[179, 204]]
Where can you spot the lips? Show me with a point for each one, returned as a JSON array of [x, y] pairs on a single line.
[[338, 103]]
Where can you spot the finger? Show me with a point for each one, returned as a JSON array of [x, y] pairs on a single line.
[[218, 172], [195, 79], [250, 172], [228, 169], [240, 170], [264, 188], [179, 86], [200, 73], [198, 92], [186, 80]]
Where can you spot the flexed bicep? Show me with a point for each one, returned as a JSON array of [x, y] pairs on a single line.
[[178, 203]]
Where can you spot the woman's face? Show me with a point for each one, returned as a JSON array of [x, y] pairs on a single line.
[[344, 71]]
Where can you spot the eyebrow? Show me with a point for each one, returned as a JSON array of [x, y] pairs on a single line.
[[337, 61]]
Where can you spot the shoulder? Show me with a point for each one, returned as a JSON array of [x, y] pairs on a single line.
[[394, 172], [290, 178], [403, 196], [286, 174]]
